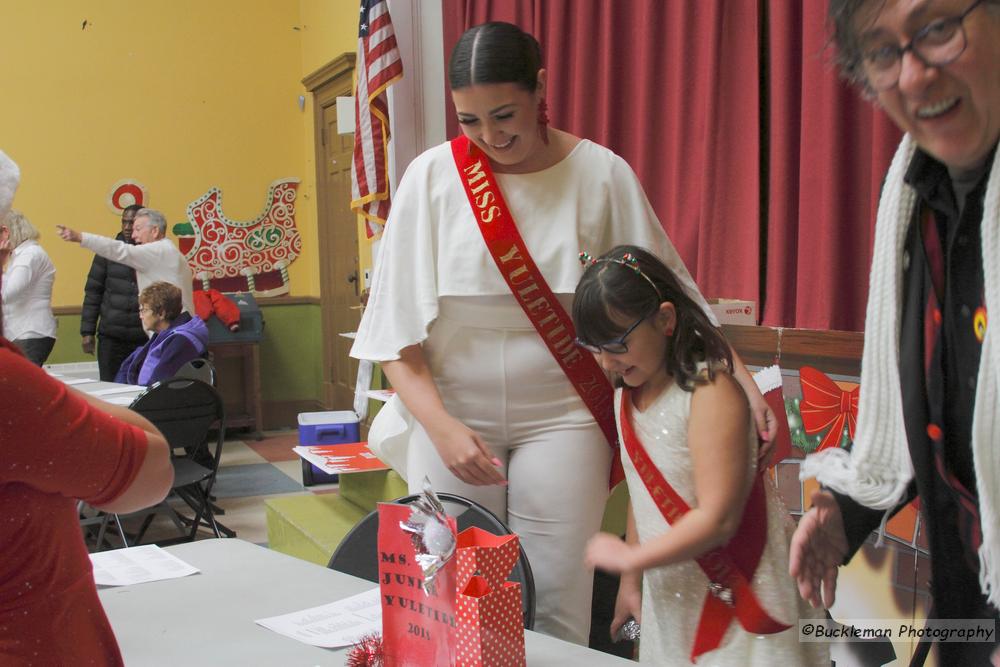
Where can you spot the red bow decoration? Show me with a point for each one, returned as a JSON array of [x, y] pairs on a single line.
[[826, 404]]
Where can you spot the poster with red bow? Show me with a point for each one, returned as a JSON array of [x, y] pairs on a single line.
[[417, 627], [826, 404]]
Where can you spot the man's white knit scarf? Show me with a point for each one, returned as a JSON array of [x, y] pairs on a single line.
[[878, 469]]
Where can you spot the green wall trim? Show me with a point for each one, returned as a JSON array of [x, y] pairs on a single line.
[[291, 360]]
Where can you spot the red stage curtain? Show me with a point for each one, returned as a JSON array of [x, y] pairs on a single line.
[[828, 152], [783, 187], [672, 87]]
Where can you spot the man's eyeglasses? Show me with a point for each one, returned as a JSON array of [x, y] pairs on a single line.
[[616, 346], [936, 44]]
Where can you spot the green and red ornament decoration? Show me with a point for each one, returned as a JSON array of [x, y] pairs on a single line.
[[242, 256]]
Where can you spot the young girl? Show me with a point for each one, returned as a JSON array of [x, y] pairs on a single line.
[[715, 574]]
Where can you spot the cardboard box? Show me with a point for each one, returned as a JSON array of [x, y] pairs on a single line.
[[734, 311]]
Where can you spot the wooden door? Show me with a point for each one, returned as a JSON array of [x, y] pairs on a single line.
[[338, 232]]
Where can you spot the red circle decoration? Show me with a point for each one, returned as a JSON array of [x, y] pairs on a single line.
[[125, 193]]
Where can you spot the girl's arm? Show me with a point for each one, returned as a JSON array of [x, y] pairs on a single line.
[[763, 416], [462, 450], [629, 601], [717, 439]]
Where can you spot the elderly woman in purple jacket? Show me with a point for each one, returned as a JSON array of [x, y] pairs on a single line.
[[177, 337]]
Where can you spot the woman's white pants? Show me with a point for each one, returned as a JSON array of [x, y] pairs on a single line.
[[497, 377]]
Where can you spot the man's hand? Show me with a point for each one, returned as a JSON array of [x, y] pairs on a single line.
[[819, 546], [67, 234], [87, 344]]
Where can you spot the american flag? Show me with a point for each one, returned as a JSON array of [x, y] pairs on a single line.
[[378, 66]]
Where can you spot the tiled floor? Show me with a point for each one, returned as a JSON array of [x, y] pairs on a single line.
[[251, 471]]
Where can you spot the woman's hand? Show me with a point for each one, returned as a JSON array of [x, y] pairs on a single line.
[[609, 553], [628, 604], [766, 423], [465, 453]]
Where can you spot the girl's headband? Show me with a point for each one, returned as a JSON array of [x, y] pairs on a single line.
[[628, 260]]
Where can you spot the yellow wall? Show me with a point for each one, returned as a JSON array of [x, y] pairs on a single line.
[[180, 95]]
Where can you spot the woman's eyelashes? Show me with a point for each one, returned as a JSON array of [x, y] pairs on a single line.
[[472, 120]]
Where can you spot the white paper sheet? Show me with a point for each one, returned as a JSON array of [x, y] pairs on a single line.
[[120, 400], [137, 565], [74, 381], [121, 389], [331, 625]]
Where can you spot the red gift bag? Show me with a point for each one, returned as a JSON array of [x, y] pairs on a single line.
[[417, 627], [490, 624]]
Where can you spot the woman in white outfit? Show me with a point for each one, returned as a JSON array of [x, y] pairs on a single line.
[[28, 321], [488, 412]]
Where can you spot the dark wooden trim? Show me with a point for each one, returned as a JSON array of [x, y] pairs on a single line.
[[330, 71], [289, 301], [262, 301], [836, 352]]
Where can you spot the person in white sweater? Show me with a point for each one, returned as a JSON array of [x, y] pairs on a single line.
[[28, 277], [154, 257]]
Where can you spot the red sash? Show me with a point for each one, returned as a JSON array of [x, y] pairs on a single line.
[[533, 294], [729, 568]]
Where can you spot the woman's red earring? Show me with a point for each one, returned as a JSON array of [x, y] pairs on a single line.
[[543, 121]]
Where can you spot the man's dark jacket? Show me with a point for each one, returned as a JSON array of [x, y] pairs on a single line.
[[111, 295]]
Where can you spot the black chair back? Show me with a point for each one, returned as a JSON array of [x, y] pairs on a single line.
[[185, 411], [198, 369], [357, 553]]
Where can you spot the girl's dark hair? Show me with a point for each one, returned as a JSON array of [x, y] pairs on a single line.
[[609, 291], [495, 52]]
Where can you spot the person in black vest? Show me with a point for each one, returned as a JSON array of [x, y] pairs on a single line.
[[927, 418], [111, 308]]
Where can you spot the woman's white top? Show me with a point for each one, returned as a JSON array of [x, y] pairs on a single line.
[[27, 293], [432, 247]]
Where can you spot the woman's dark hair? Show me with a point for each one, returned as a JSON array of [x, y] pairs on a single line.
[[495, 52], [610, 291]]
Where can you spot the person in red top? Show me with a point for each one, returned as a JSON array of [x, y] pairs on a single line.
[[58, 445]]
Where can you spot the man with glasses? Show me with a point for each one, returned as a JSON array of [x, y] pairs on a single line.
[[930, 383], [111, 307], [154, 257]]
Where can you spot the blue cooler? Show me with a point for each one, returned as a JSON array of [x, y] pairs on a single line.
[[325, 428]]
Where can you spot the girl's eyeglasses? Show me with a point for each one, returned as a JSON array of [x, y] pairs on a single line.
[[616, 346]]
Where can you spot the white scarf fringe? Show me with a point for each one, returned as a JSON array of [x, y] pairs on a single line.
[[878, 469]]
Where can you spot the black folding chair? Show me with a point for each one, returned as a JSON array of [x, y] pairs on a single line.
[[186, 411], [357, 553], [198, 369]]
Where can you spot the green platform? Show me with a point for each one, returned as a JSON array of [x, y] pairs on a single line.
[[310, 526]]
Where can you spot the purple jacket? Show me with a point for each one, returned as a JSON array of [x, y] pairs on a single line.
[[166, 352]]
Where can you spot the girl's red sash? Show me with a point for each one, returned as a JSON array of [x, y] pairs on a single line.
[[729, 568], [533, 294]]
